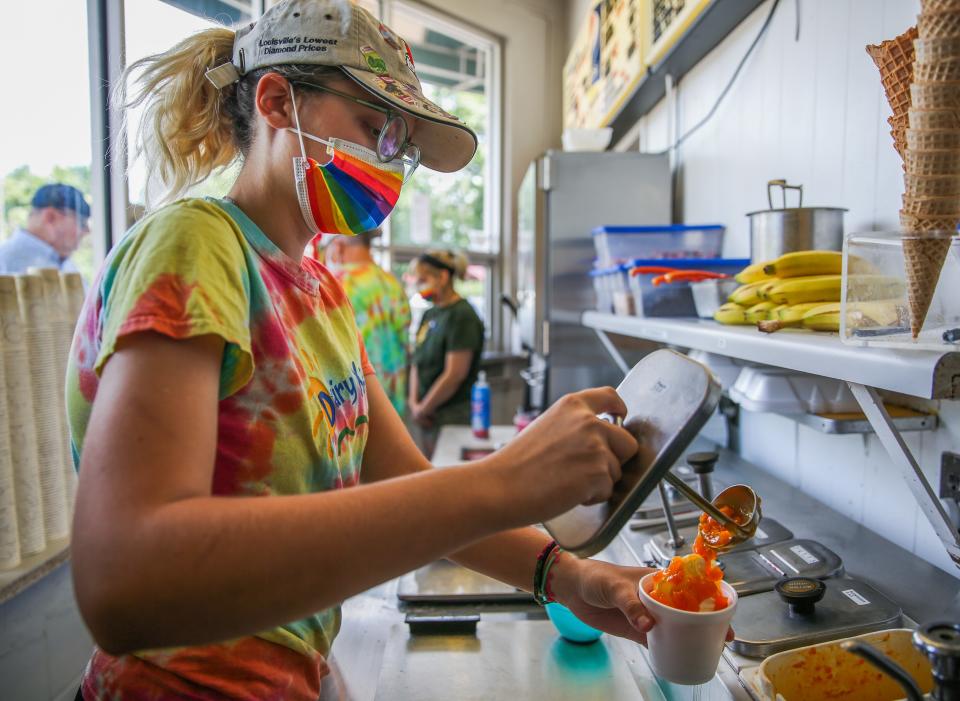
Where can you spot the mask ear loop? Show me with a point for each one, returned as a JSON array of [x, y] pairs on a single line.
[[296, 120]]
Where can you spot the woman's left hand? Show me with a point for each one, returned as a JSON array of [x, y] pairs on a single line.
[[602, 595]]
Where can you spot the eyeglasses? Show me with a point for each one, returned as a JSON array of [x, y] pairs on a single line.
[[392, 143]]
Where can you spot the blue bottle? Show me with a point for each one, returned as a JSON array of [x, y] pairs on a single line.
[[480, 407]]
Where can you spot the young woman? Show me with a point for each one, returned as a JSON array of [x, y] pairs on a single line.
[[446, 356], [242, 471]]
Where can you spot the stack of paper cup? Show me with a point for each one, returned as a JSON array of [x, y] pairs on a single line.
[[9, 532], [62, 328], [685, 646], [20, 421], [45, 389], [71, 286], [931, 200]]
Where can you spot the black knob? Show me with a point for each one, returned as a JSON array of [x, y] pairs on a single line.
[[801, 594], [703, 463]]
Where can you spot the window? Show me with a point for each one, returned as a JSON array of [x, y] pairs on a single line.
[[458, 70], [153, 26], [46, 119]]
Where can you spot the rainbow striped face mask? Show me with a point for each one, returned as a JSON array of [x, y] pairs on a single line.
[[351, 193]]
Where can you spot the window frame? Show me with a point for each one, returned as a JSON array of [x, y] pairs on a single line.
[[493, 193], [109, 186]]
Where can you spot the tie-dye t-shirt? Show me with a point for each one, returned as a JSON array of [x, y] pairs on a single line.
[[292, 413], [383, 315]]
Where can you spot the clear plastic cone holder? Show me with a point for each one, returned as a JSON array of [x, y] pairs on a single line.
[[21, 425], [875, 311]]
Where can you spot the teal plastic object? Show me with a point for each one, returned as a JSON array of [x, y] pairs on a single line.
[[571, 628]]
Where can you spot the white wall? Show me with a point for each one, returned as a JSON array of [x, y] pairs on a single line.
[[811, 111]]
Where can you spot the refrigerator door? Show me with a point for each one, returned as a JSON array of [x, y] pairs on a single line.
[[579, 192]]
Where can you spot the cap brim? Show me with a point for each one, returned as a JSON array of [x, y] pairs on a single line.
[[446, 144]]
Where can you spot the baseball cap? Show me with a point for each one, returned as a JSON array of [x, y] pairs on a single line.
[[61, 196], [340, 33]]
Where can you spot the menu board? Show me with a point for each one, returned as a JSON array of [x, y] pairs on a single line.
[[617, 42], [669, 21]]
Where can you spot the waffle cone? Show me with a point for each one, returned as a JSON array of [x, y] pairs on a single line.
[[932, 162], [928, 6], [932, 185], [912, 224], [936, 25], [935, 96], [933, 119], [945, 71], [894, 58], [923, 259], [932, 50], [933, 139], [930, 206]]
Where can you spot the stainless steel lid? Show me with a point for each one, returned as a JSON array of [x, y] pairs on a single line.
[[758, 570], [774, 621], [669, 398], [768, 532]]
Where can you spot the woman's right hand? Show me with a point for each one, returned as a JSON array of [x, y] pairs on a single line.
[[568, 456]]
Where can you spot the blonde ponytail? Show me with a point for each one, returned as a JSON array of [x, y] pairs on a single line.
[[185, 134]]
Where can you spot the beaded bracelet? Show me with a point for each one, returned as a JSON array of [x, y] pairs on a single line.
[[546, 573]]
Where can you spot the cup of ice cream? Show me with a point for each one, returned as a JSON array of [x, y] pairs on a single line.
[[691, 608]]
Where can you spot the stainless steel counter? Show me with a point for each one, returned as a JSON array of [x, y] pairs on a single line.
[[517, 655]]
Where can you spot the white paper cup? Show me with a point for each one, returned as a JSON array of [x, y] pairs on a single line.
[[685, 647]]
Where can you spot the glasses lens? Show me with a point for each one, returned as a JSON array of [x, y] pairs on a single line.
[[392, 137]]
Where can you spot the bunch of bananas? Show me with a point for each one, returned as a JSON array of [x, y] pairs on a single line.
[[801, 289]]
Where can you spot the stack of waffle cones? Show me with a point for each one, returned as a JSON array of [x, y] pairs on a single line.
[[894, 58], [928, 89]]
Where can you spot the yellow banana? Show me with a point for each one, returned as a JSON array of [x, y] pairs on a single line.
[[811, 288], [766, 286], [759, 312], [825, 317], [747, 295], [752, 273], [803, 263], [792, 314], [731, 313]]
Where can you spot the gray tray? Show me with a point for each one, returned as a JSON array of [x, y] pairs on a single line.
[[669, 398]]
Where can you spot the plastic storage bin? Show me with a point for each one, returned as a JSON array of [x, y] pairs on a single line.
[[673, 299], [878, 314], [619, 244], [613, 294]]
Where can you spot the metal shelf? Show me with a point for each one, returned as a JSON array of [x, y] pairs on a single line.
[[860, 424], [926, 374]]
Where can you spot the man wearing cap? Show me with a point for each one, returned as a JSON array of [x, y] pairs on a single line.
[[382, 311], [58, 220]]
